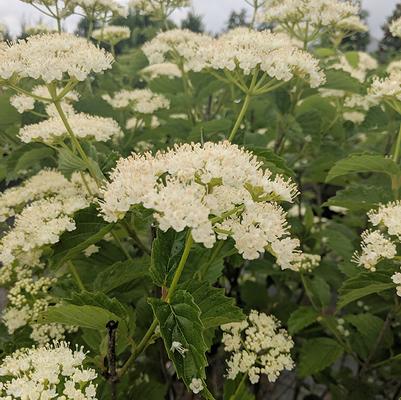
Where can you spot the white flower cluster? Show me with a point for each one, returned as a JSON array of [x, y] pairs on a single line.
[[23, 102], [388, 88], [157, 7], [179, 46], [100, 8], [394, 66], [143, 101], [26, 300], [42, 207], [378, 245], [112, 34], [305, 262], [52, 371], [135, 123], [365, 63], [395, 27], [45, 184], [314, 14], [163, 69], [396, 278], [51, 57], [217, 190], [259, 347], [84, 126], [273, 53]]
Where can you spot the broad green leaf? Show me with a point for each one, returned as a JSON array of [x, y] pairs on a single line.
[[318, 354], [166, 253], [359, 197], [352, 58], [8, 114], [69, 162], [341, 80], [216, 308], [363, 163], [121, 273], [368, 325], [301, 318], [318, 289], [363, 285], [90, 228], [33, 157], [180, 322]]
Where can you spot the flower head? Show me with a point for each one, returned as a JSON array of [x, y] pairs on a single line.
[[51, 57], [112, 34], [395, 27], [258, 346], [47, 372], [217, 190]]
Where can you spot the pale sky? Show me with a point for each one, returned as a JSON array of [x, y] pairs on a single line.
[[215, 13]]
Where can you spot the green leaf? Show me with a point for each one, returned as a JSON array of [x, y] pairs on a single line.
[[180, 322], [363, 163], [368, 325], [341, 80], [352, 58], [166, 253], [362, 285], [210, 128], [152, 390], [359, 197], [90, 228], [318, 354], [318, 289], [301, 318], [68, 162], [90, 317], [33, 157], [216, 308], [231, 392], [121, 273]]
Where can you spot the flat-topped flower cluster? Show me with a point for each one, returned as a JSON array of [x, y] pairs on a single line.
[[217, 190], [243, 49], [52, 371], [52, 57], [259, 346]]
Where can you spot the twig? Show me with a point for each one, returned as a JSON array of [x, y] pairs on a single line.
[[111, 358]]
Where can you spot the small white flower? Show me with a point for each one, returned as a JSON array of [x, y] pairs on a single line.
[[196, 385], [177, 346]]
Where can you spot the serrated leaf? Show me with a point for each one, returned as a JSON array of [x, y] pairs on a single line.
[[301, 318], [318, 289], [318, 354], [166, 253], [180, 322], [216, 308], [121, 273], [90, 228], [362, 285], [363, 163]]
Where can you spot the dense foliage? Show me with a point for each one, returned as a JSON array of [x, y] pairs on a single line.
[[187, 216]]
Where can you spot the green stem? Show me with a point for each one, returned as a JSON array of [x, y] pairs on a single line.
[[397, 148], [177, 275], [74, 273], [75, 141], [240, 117], [117, 239], [148, 335], [139, 349], [22, 91]]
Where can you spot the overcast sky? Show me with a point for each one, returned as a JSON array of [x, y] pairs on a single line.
[[215, 13]]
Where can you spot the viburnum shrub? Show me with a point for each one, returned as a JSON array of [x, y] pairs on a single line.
[[186, 216]]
